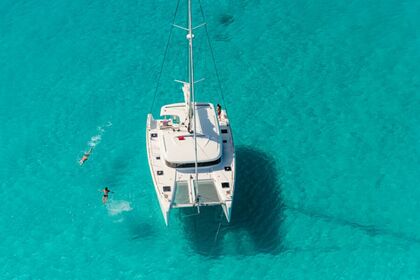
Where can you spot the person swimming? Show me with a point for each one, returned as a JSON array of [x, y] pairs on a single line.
[[85, 156], [106, 192]]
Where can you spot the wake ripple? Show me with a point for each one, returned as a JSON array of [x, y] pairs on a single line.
[[96, 139], [116, 207]]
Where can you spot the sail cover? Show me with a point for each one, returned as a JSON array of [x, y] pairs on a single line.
[[187, 97], [186, 90]]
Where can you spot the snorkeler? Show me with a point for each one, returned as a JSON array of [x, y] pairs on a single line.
[[106, 191], [85, 156]]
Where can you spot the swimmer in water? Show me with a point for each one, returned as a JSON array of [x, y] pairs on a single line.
[[106, 191], [85, 156]]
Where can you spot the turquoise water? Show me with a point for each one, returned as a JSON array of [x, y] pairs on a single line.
[[324, 102]]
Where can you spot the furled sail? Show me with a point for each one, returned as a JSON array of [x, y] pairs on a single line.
[[187, 97], [186, 90]]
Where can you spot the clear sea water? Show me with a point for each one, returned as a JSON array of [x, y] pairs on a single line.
[[324, 100]]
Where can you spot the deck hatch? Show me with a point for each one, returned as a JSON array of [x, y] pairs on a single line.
[[153, 135], [166, 188], [224, 131], [228, 168], [225, 185], [159, 172]]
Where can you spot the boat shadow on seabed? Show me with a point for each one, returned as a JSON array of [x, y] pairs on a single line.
[[257, 212]]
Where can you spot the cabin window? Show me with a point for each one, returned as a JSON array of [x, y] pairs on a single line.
[[192, 164]]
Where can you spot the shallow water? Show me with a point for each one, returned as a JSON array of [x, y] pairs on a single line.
[[324, 102]]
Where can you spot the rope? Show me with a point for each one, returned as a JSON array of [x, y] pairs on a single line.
[[214, 60], [164, 57], [218, 229]]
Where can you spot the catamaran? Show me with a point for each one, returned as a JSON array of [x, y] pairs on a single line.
[[190, 148]]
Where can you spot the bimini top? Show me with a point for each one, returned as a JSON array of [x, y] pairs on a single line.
[[177, 143]]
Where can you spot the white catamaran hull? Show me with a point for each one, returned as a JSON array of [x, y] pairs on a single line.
[[175, 186]]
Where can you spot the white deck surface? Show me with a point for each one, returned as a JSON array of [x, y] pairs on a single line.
[[177, 144]]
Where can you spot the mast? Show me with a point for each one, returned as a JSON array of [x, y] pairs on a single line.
[[192, 107], [190, 37]]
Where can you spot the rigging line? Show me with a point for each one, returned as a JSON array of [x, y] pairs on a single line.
[[164, 56], [213, 58], [218, 229], [204, 152]]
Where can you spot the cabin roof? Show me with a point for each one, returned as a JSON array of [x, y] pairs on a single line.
[[178, 144]]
